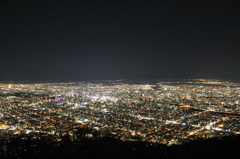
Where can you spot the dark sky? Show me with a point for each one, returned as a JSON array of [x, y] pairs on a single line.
[[90, 40]]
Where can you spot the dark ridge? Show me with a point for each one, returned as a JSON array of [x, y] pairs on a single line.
[[108, 147]]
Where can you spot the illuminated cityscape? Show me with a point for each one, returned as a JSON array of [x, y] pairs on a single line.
[[119, 79], [165, 112]]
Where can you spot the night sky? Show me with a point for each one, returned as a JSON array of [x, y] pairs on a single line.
[[96, 40]]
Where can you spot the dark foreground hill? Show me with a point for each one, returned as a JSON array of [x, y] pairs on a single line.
[[111, 148]]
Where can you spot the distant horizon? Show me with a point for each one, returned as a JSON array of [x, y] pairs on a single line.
[[119, 80]]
